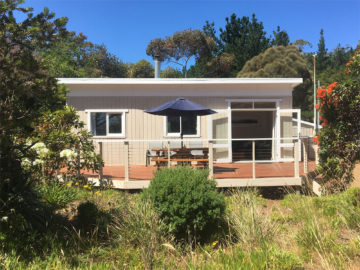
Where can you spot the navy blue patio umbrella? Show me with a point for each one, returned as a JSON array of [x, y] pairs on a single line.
[[180, 107]]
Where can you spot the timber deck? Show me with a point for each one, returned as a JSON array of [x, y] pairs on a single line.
[[226, 174]]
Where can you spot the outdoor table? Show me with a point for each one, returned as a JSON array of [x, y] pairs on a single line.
[[182, 156]]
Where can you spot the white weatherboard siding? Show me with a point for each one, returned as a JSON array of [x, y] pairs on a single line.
[[137, 95]]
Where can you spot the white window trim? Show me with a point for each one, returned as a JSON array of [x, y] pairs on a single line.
[[253, 101], [177, 135], [107, 111]]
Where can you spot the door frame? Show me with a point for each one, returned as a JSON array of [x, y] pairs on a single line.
[[279, 144], [229, 101], [276, 148]]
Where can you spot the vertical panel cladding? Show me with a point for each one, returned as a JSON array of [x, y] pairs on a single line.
[[143, 126]]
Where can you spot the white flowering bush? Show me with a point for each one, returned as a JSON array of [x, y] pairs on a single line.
[[68, 154], [63, 147]]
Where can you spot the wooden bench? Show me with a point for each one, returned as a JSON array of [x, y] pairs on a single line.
[[163, 160]]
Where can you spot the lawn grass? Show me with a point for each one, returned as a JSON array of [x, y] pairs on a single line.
[[117, 230]]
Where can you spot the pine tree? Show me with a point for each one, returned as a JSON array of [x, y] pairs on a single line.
[[322, 56]]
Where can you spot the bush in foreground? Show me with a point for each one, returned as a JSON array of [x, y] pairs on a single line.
[[187, 201]]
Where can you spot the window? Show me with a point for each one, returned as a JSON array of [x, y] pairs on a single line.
[[255, 104], [189, 125], [109, 124]]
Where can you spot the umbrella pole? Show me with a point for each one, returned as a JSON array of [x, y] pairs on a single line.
[[181, 133], [181, 139]]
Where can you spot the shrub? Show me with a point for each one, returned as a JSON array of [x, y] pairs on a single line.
[[93, 221], [58, 195], [339, 138], [187, 201]]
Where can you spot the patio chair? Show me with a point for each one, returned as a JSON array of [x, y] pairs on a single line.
[[196, 144], [150, 153], [174, 145]]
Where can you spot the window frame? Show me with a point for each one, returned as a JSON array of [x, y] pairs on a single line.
[[177, 135], [107, 112]]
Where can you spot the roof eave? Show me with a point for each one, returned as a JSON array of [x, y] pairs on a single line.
[[126, 81]]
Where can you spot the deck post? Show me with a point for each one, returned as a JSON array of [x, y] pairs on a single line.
[[168, 154], [126, 146], [296, 158], [78, 161], [305, 157], [101, 154], [211, 159], [253, 160], [316, 149]]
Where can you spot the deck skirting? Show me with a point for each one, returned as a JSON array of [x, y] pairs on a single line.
[[221, 183]]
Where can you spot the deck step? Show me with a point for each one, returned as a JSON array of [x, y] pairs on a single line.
[[316, 188]]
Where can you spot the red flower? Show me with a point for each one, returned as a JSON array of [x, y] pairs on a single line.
[[316, 140], [331, 87], [316, 106], [321, 93]]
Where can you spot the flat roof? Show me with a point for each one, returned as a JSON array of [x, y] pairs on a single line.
[[125, 81]]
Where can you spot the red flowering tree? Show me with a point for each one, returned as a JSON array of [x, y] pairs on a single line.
[[339, 139]]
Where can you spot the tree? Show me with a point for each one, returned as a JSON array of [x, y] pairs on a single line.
[[73, 56], [27, 92], [108, 64], [170, 72], [219, 66], [282, 62], [244, 38], [322, 56], [240, 40], [339, 139], [281, 38], [181, 47], [142, 69], [301, 43], [69, 57]]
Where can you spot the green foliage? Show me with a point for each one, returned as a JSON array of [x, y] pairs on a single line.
[[117, 230], [187, 201], [244, 38], [220, 66], [281, 38], [58, 195], [181, 47], [248, 225], [170, 72], [73, 56], [266, 257], [321, 221], [139, 226], [26, 93], [339, 138], [322, 57], [342, 209], [142, 69], [282, 62], [301, 43], [240, 40], [71, 149], [92, 221]]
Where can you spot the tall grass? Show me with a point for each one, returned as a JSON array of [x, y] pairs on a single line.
[[116, 230], [140, 227], [247, 221], [320, 222]]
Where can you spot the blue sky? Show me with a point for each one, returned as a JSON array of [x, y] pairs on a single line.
[[126, 27]]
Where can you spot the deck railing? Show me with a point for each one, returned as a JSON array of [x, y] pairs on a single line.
[[250, 158]]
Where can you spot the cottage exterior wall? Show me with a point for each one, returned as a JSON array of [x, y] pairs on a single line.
[[138, 97]]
